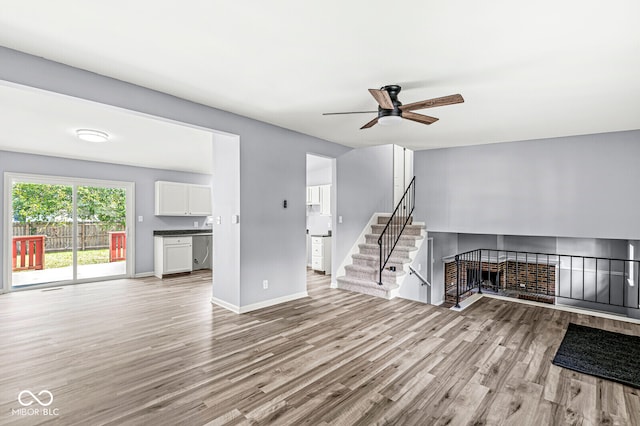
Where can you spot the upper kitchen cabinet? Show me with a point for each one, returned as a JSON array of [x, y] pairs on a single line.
[[182, 199], [320, 195], [313, 195]]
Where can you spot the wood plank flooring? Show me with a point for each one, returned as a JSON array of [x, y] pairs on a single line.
[[156, 352]]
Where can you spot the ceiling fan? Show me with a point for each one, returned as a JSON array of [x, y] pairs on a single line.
[[391, 110]]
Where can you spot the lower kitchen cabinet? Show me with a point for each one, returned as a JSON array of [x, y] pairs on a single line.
[[321, 254], [172, 255]]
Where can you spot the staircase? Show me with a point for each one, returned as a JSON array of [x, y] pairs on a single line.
[[363, 274]]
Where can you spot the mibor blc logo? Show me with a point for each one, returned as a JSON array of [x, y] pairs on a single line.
[[35, 404]]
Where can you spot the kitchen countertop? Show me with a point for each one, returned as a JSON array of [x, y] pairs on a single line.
[[174, 232]]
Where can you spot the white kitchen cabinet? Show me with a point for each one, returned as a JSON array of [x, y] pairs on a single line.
[[182, 199], [325, 200], [321, 254], [199, 200], [313, 195], [172, 255]]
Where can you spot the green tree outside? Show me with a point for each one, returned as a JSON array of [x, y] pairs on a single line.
[[46, 203]]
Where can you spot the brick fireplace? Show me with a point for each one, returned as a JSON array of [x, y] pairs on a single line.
[[524, 280]]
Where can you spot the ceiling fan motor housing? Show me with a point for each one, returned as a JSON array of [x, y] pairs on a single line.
[[393, 91]]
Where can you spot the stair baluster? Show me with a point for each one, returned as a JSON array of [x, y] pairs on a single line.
[[396, 224]]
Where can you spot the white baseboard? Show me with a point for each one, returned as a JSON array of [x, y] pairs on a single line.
[[334, 284], [143, 275], [259, 305], [233, 308]]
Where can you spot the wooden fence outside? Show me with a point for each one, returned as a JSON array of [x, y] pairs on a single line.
[[91, 235]]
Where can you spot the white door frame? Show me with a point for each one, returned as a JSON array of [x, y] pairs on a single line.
[[10, 177]]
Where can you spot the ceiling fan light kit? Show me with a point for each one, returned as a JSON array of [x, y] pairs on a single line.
[[389, 120], [391, 111]]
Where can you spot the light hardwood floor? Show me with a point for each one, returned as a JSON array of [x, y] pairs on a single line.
[[156, 352]]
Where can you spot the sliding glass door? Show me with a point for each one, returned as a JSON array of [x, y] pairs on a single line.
[[63, 230]]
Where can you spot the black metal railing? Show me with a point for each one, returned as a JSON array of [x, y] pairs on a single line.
[[397, 222], [585, 281]]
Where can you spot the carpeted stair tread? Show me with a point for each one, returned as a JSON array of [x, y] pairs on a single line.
[[410, 226], [377, 247], [375, 257], [366, 283], [383, 219], [402, 237]]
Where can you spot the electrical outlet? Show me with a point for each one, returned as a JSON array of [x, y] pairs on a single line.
[[195, 224], [265, 284], [339, 219], [419, 266], [140, 218]]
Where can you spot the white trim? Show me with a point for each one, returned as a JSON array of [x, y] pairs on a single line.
[[143, 275], [233, 308], [468, 302], [259, 305], [440, 302], [10, 177]]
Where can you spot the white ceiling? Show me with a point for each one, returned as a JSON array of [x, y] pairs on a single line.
[[39, 122], [527, 70]]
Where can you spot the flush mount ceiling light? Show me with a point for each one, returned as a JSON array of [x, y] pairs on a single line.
[[90, 135]]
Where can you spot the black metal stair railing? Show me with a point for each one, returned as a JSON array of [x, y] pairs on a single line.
[[582, 281], [397, 222]]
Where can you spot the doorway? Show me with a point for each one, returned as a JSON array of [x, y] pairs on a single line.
[[66, 230], [320, 214]]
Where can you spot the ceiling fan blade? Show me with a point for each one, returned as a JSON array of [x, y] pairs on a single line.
[[370, 124], [424, 119], [350, 112], [382, 97], [435, 102]]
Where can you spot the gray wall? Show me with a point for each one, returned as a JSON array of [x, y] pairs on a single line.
[[364, 187], [530, 244], [581, 186], [226, 203], [412, 288], [444, 244], [144, 179], [272, 168], [468, 242]]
